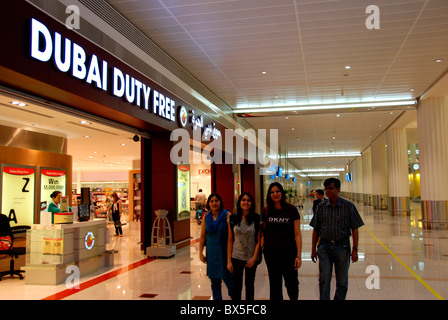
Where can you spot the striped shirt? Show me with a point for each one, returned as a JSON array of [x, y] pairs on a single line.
[[336, 223]]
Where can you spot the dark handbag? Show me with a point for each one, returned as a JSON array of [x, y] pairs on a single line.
[[260, 258], [257, 228]]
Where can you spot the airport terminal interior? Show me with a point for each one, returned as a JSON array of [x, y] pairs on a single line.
[[91, 93]]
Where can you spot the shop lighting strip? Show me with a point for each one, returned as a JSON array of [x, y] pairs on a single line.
[[329, 174], [280, 108], [320, 170], [323, 155]]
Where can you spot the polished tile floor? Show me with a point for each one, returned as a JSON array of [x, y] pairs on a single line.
[[398, 261]]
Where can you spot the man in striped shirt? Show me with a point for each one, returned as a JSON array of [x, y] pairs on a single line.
[[335, 220]]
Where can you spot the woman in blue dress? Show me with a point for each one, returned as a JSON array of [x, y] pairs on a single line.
[[214, 233]]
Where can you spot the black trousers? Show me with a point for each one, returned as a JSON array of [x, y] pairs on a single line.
[[280, 264], [239, 269], [118, 229]]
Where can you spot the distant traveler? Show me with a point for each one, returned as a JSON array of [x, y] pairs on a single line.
[[116, 214], [200, 199], [320, 199]]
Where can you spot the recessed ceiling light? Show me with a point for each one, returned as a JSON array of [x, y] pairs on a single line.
[[123, 144], [347, 67], [84, 122], [263, 72], [412, 90], [439, 60], [18, 103], [36, 125], [86, 136], [338, 115]]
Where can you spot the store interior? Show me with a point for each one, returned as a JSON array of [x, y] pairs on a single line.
[[106, 157]]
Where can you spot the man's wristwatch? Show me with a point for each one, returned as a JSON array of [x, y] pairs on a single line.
[[355, 248]]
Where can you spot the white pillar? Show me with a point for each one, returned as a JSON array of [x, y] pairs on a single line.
[[367, 177], [432, 119], [359, 180], [397, 163], [379, 176]]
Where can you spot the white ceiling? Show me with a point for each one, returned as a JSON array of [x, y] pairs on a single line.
[[304, 46], [101, 151]]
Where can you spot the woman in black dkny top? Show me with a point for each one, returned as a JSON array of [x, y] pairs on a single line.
[[281, 243]]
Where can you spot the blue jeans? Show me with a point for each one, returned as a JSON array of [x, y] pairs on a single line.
[[216, 287], [339, 256]]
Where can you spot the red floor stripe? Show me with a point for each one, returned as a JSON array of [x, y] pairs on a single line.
[[68, 292], [195, 241]]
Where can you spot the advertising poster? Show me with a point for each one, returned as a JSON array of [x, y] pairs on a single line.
[[18, 193], [51, 180], [183, 192]]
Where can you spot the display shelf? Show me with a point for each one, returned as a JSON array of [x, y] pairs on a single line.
[[49, 251], [134, 195]]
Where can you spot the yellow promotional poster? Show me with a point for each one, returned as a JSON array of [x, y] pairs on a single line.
[[52, 246], [183, 192], [18, 192]]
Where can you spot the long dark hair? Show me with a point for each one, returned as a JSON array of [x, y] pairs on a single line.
[[219, 198], [238, 216], [269, 200]]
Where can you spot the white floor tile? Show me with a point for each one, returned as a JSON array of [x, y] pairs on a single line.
[[424, 252]]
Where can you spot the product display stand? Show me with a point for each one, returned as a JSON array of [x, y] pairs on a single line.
[[53, 251], [161, 238]]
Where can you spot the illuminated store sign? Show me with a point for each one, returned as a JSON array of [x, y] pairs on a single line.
[[18, 191], [51, 180], [183, 192], [89, 240], [71, 56]]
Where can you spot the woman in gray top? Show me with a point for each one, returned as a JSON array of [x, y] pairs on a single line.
[[243, 246]]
